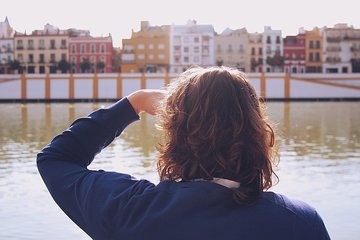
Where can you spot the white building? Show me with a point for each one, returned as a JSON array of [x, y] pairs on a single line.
[[341, 47], [6, 45], [231, 49], [191, 45], [272, 45]]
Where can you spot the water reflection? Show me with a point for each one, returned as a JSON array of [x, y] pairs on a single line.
[[320, 161]]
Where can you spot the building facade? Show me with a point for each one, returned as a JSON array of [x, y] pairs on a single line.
[[272, 49], [41, 51], [191, 45], [294, 53], [255, 52], [6, 46], [341, 49], [90, 54], [231, 49], [314, 51], [147, 50]]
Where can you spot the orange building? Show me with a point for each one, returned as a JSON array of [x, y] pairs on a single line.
[[314, 51], [146, 50]]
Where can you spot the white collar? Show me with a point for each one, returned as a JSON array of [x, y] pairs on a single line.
[[222, 181]]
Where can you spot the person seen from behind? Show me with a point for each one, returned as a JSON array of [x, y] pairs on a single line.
[[216, 165]]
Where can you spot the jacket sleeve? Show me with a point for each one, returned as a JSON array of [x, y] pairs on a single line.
[[90, 198]]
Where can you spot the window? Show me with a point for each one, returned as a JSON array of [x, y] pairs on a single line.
[[196, 49], [63, 56], [41, 44], [73, 60], [41, 58], [253, 51], [52, 44], [230, 48], [260, 51], [151, 56], [278, 39], [102, 48], [317, 57], [318, 44], [63, 44], [82, 48], [20, 44], [196, 39], [73, 48], [268, 40], [161, 56], [311, 57], [151, 46], [30, 44], [140, 46], [52, 58], [93, 48], [141, 57], [186, 59], [20, 57], [31, 58], [161, 46], [186, 49], [311, 45]]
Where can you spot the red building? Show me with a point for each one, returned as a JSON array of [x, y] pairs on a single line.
[[294, 53], [90, 54]]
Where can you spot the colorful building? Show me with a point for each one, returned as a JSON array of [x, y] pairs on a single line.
[[314, 51], [147, 50], [90, 54], [191, 45], [42, 50], [255, 52], [294, 53], [231, 49]]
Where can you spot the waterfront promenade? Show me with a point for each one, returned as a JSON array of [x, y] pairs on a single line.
[[111, 86]]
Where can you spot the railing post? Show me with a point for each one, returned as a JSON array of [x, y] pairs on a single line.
[[95, 86], [143, 81], [119, 86], [287, 86], [23, 87], [262, 85], [71, 87], [47, 87]]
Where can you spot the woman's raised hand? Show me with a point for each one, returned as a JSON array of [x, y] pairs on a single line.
[[147, 100]]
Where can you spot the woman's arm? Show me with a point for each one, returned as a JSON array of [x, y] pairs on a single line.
[[91, 198]]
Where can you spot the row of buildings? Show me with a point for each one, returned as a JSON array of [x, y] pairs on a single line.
[[174, 48]]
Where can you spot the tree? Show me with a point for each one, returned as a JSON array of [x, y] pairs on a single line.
[[255, 64], [15, 65], [219, 62], [100, 65], [276, 61], [85, 65], [64, 66]]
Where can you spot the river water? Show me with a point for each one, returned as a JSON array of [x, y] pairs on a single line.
[[319, 164]]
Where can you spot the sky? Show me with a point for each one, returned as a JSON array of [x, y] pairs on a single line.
[[119, 17]]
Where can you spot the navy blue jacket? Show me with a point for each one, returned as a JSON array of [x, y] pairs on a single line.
[[111, 205]]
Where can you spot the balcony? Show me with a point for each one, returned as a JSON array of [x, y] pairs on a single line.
[[355, 49], [30, 48], [333, 39], [333, 59], [20, 47], [42, 48], [333, 49], [63, 47]]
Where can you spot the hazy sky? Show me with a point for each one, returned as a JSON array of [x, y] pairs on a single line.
[[118, 17]]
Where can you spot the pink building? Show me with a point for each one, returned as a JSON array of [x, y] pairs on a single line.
[[90, 54], [294, 52]]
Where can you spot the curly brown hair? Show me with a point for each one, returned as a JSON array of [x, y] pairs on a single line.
[[215, 126]]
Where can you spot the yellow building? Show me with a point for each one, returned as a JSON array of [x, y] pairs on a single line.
[[314, 51], [41, 51], [146, 50]]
